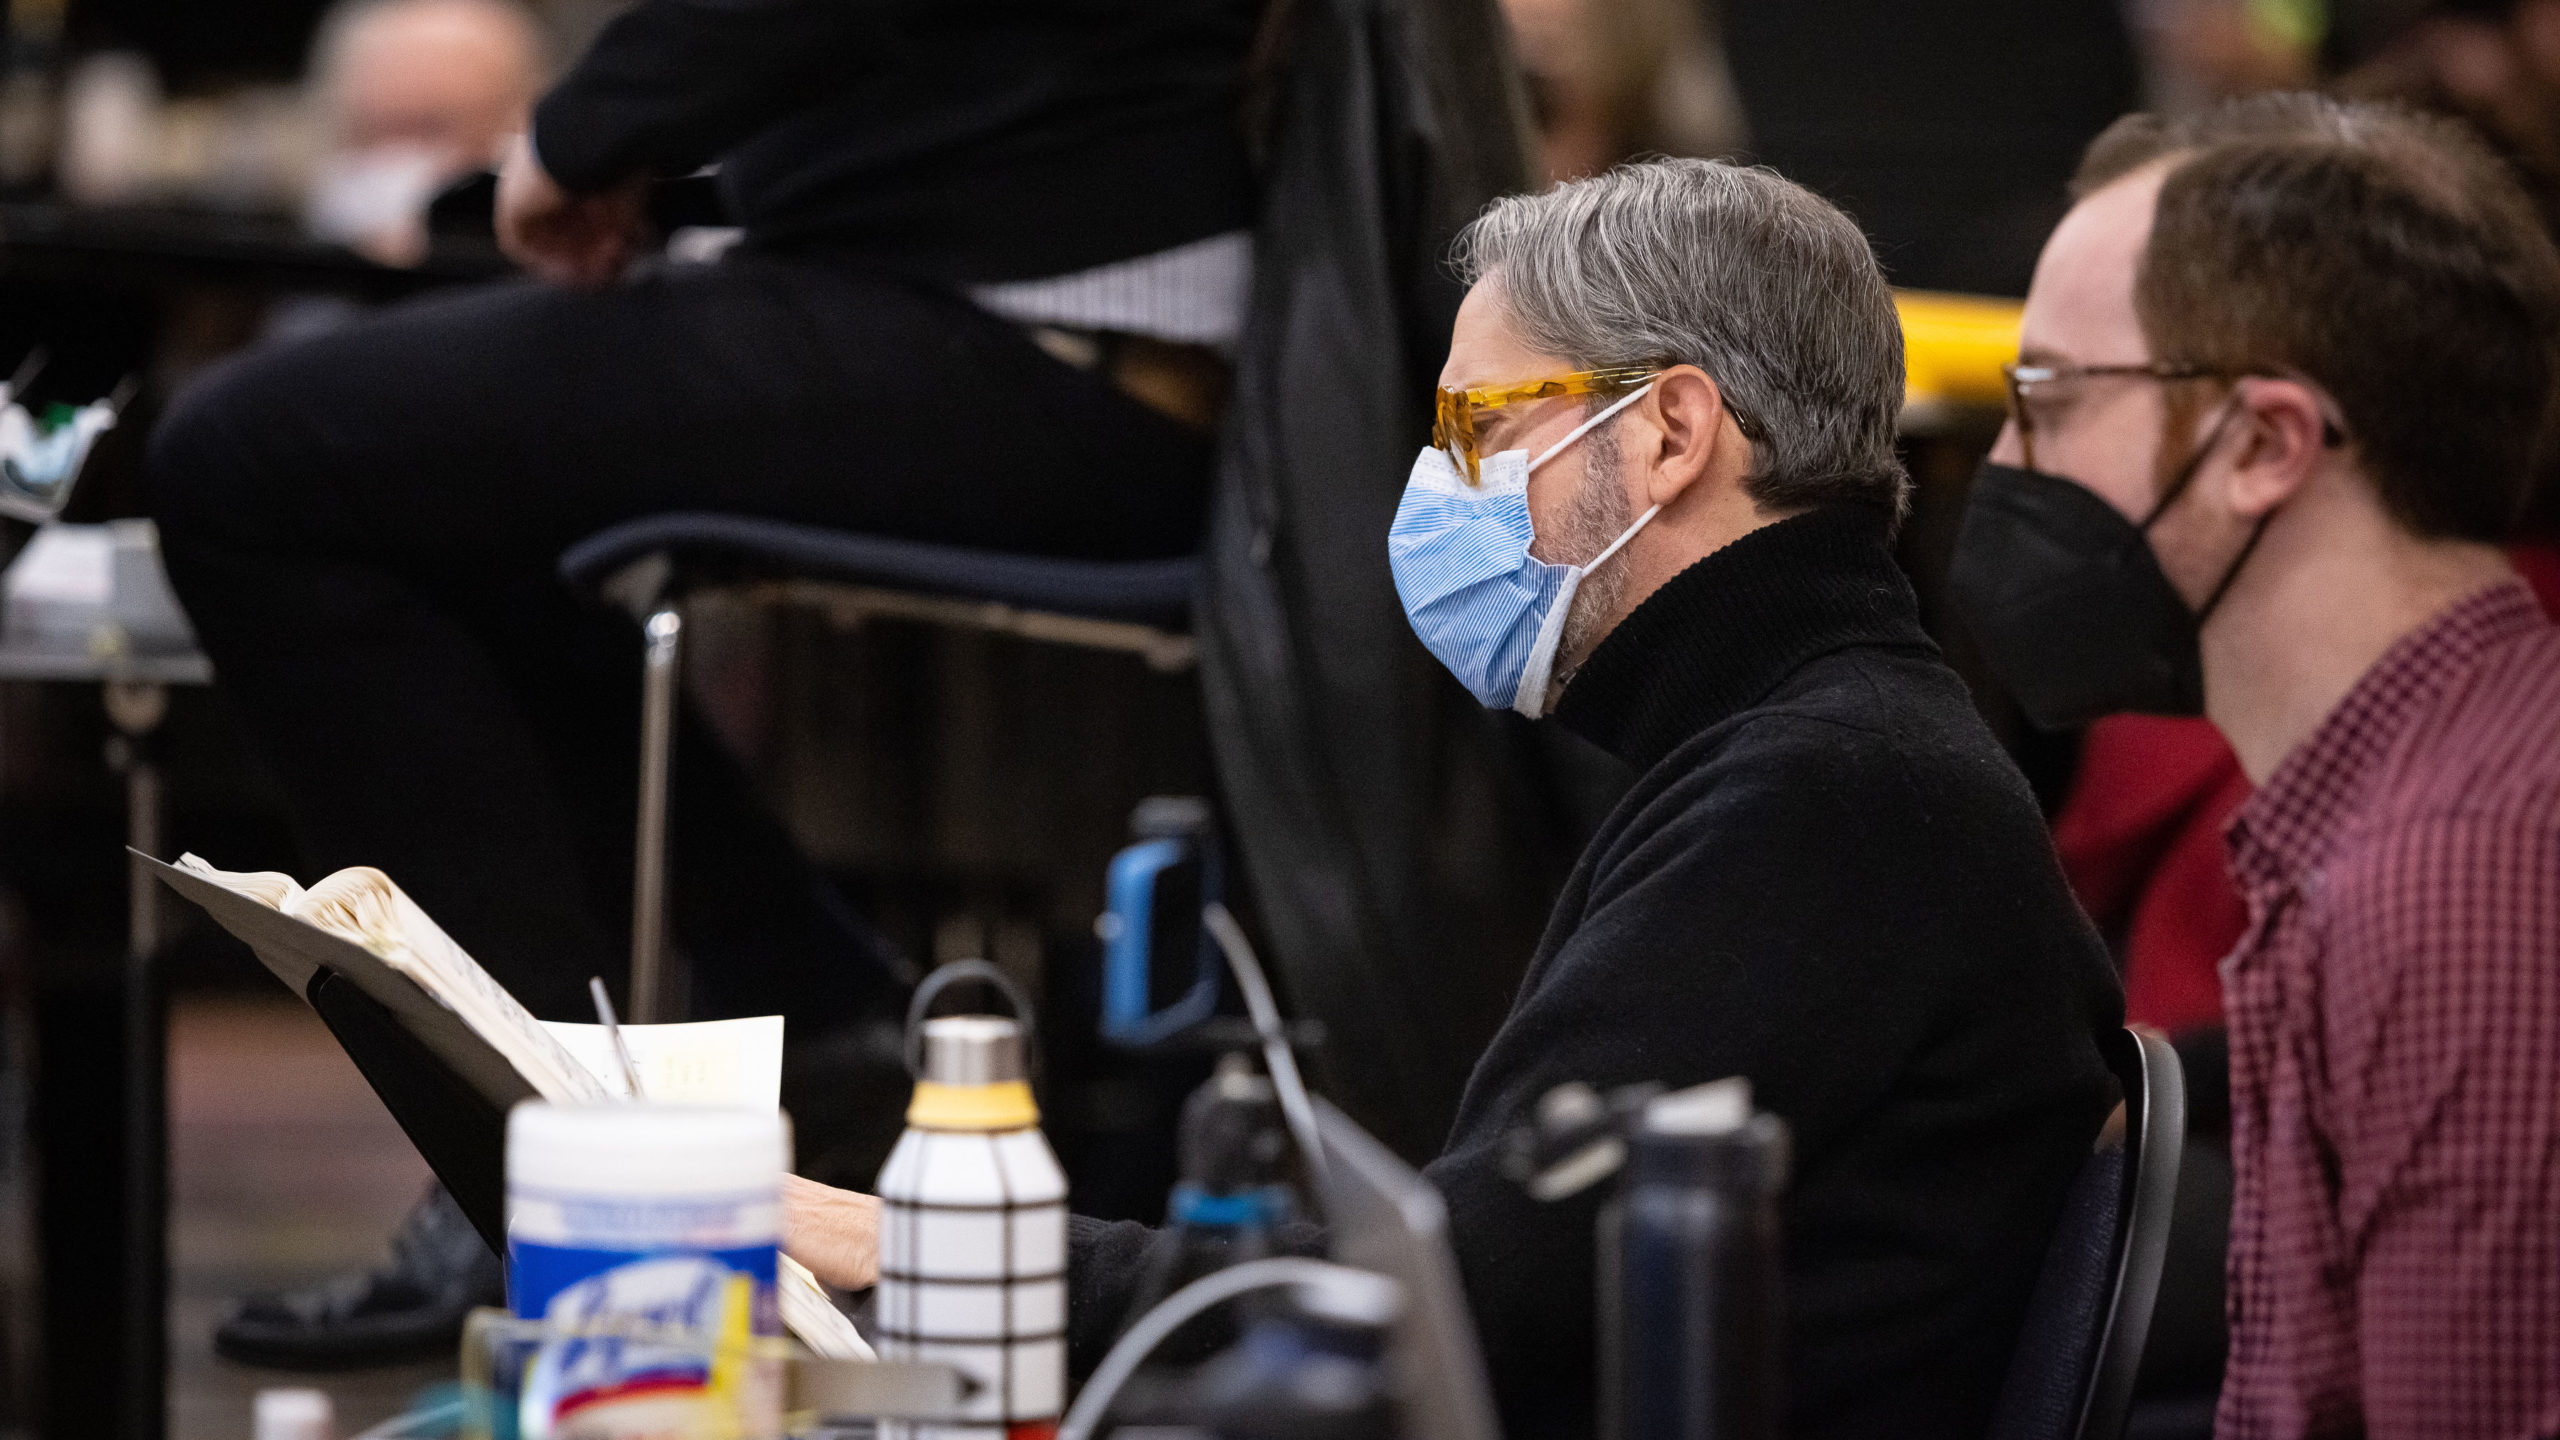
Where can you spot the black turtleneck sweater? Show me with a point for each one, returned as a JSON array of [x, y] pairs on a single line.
[[1827, 878]]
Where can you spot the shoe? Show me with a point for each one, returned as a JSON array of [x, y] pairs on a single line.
[[410, 1309]]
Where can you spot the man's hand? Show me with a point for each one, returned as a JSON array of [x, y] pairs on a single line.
[[579, 240], [836, 1233]]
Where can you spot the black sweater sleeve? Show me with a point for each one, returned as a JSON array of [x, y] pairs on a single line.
[[672, 83], [1107, 1260]]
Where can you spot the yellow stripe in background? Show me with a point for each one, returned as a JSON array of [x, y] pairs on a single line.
[[1954, 345]]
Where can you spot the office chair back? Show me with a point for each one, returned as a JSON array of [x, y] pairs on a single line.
[[2071, 1377]]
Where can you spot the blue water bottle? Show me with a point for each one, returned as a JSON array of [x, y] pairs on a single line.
[[1689, 1303]]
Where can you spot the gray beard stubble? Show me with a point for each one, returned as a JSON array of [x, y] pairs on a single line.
[[1598, 515]]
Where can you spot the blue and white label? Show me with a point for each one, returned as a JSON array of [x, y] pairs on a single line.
[[702, 1269], [555, 1241], [573, 1283]]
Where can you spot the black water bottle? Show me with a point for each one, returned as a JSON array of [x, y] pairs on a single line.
[[1689, 1303]]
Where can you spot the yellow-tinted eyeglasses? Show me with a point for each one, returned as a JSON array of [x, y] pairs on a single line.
[[1453, 427]]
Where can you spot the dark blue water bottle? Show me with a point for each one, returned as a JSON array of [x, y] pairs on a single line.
[[1689, 1303]]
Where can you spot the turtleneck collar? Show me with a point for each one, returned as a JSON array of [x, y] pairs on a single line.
[[1722, 634]]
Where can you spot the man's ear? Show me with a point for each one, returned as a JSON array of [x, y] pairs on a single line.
[[2285, 434], [1690, 437]]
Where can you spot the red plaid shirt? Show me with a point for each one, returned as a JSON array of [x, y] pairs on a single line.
[[2395, 1051]]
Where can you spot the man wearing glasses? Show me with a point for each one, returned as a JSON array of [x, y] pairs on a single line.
[[2285, 390], [1661, 509]]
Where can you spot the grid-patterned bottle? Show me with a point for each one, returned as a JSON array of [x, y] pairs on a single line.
[[973, 1237]]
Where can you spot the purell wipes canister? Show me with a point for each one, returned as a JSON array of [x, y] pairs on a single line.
[[647, 1236], [973, 1236]]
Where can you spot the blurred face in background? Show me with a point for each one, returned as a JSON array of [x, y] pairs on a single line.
[[451, 78], [2495, 65], [413, 94], [2203, 50], [2502, 72], [1610, 79]]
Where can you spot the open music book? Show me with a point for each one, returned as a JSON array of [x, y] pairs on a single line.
[[449, 1050]]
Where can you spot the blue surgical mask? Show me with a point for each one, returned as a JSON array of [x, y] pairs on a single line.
[[1491, 611]]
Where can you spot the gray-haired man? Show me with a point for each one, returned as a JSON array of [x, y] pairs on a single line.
[[1662, 508]]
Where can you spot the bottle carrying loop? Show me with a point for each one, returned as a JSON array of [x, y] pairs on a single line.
[[948, 975]]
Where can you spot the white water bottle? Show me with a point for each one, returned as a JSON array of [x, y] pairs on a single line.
[[973, 1227]]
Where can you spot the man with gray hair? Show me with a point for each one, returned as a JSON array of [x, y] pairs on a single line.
[[1661, 507]]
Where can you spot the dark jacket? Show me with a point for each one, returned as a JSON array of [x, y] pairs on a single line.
[[1829, 879], [968, 140], [1400, 842]]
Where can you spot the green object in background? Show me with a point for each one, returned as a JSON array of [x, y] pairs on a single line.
[[2297, 25]]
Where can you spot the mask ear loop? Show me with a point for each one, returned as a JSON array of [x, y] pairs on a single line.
[[2186, 477], [1581, 430], [1531, 696], [2257, 532], [2195, 464], [1587, 426], [1596, 561]]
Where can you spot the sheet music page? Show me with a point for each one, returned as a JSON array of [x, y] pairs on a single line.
[[705, 1062], [815, 1319], [736, 1062], [362, 904], [267, 887]]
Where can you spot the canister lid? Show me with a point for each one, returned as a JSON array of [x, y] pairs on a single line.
[[1718, 1107], [972, 1050], [1709, 1135], [292, 1414], [647, 1150]]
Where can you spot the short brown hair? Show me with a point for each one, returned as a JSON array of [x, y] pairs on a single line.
[[2387, 256]]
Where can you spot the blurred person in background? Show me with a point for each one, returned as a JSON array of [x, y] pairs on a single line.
[[410, 95], [2495, 63], [2199, 52], [399, 97], [1612, 79], [2286, 388], [993, 258]]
